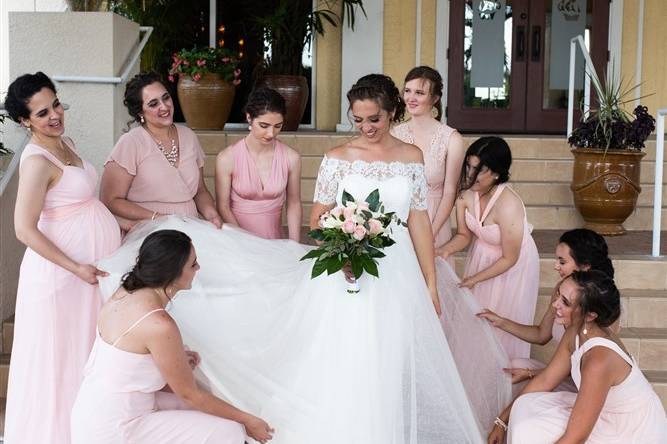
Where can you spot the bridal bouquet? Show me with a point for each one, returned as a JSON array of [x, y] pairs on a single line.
[[353, 234]]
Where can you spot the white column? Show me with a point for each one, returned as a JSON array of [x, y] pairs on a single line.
[[361, 53], [615, 39], [18, 5]]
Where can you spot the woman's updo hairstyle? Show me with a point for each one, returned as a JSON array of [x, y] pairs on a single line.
[[133, 99], [21, 91], [382, 90], [598, 294], [264, 100], [435, 82], [494, 153], [588, 248], [161, 259]]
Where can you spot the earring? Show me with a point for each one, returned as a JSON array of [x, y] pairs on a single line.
[[141, 119], [585, 328], [249, 127]]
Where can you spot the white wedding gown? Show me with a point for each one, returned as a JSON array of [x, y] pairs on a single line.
[[319, 364]]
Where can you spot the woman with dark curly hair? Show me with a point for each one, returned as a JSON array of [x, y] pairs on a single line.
[[156, 168], [66, 230]]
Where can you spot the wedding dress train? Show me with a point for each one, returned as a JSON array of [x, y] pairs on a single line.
[[319, 364]]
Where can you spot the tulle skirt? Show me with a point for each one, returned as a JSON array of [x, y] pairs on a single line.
[[319, 364]]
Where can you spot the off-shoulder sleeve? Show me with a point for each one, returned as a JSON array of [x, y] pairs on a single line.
[[419, 188], [326, 186], [126, 153]]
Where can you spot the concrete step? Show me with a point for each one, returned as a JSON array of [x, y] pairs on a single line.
[[318, 142]]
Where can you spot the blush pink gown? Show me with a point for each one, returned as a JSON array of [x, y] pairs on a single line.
[[512, 294], [158, 186], [632, 412], [56, 312], [120, 403], [257, 206], [435, 160]]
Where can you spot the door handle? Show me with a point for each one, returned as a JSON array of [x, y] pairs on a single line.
[[536, 46], [520, 43]]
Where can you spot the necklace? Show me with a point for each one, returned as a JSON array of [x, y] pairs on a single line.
[[66, 156], [172, 154]]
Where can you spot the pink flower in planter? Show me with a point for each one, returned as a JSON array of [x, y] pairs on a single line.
[[237, 72], [201, 62], [196, 77], [171, 78], [236, 82], [225, 60]]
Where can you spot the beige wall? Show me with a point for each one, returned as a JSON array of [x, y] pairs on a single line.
[[328, 74], [399, 38]]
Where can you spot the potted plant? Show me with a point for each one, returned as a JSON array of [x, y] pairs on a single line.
[[607, 159], [5, 153], [288, 29], [207, 79]]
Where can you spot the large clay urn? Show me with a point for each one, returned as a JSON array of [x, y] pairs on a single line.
[[295, 91], [606, 187], [206, 103]]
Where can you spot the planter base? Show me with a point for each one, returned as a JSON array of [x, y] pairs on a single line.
[[610, 229]]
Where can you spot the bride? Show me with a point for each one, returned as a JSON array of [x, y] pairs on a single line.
[[322, 365]]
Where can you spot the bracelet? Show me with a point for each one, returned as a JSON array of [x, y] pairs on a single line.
[[154, 214], [500, 423]]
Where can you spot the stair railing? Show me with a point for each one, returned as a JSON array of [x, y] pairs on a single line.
[[590, 74]]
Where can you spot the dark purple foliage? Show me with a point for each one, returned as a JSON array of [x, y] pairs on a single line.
[[617, 133]]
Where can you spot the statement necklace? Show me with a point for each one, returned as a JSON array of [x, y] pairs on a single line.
[[172, 154]]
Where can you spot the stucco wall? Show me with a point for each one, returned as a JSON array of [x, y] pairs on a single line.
[[78, 44]]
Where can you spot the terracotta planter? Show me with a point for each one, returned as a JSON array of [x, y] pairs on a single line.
[[206, 103], [606, 187], [295, 91]]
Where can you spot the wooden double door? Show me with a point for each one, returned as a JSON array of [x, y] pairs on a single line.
[[509, 62]]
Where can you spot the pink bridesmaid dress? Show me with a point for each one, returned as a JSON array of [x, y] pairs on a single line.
[[257, 206], [56, 312], [632, 412], [512, 294], [158, 186], [120, 403], [435, 160]]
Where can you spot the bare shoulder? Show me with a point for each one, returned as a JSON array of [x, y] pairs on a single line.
[[411, 153], [509, 203], [465, 198], [341, 152], [160, 324], [225, 158], [292, 155], [38, 167]]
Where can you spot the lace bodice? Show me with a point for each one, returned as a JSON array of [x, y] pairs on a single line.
[[402, 185]]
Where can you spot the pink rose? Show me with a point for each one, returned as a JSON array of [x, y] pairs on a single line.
[[348, 212], [201, 62], [186, 63], [236, 82], [375, 226], [237, 72], [171, 78], [359, 232], [349, 226], [336, 212], [363, 206], [196, 77]]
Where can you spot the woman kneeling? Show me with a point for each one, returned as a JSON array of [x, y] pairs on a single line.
[[615, 402], [138, 385]]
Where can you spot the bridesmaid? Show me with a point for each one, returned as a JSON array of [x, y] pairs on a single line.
[[157, 167], [258, 174], [442, 146], [577, 250], [139, 386], [66, 231], [615, 403], [503, 268]]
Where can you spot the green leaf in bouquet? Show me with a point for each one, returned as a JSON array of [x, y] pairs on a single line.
[[319, 267], [357, 266], [317, 234], [334, 265], [375, 253], [347, 197], [369, 265], [367, 214], [373, 200], [312, 254], [388, 242], [377, 242]]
